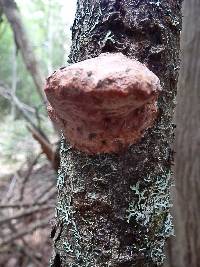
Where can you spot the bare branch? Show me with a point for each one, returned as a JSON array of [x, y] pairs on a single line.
[[46, 146], [25, 213], [6, 93], [48, 192], [34, 161], [36, 132], [23, 232]]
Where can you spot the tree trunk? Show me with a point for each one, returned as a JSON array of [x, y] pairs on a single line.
[[113, 209], [185, 248], [13, 15], [14, 79]]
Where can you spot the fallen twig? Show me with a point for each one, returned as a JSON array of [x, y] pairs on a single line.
[[26, 231], [25, 213], [27, 176]]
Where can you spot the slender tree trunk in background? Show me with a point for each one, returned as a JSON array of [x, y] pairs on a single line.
[[13, 15], [50, 37], [14, 79], [113, 210], [185, 247]]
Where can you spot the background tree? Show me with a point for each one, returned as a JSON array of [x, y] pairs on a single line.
[[34, 17], [27, 181], [29, 105], [149, 32], [185, 247], [13, 15]]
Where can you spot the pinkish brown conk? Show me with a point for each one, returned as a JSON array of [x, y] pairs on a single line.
[[103, 104]]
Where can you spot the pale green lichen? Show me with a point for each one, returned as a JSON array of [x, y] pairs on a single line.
[[150, 210], [156, 2]]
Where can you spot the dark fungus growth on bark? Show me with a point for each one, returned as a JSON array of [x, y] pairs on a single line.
[[103, 104], [114, 208]]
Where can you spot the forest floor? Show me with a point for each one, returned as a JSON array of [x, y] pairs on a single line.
[[27, 205]]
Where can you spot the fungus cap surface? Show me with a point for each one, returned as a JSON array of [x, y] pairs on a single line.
[[103, 104]]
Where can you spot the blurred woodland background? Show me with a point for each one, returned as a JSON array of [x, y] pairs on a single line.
[[35, 40]]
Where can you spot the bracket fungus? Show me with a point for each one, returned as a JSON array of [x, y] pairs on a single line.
[[103, 104]]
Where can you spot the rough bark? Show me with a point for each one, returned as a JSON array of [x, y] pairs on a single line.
[[113, 209], [13, 15], [185, 248]]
